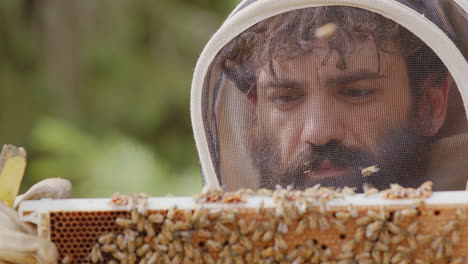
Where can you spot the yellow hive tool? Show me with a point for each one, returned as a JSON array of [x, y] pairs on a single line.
[[12, 165]]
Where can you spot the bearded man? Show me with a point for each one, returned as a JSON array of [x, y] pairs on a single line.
[[319, 94]]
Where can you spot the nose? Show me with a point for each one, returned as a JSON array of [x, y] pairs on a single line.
[[322, 123]]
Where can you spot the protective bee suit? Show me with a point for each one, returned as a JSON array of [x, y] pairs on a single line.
[[304, 92]]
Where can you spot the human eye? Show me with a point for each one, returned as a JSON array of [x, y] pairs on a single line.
[[356, 93], [286, 100], [283, 99]]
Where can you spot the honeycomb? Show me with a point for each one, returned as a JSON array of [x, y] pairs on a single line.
[[75, 233]]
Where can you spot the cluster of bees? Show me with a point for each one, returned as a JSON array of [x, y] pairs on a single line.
[[398, 192], [299, 227]]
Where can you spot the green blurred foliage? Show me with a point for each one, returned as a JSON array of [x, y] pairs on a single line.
[[98, 91]]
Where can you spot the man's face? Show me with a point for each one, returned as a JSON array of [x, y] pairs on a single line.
[[317, 123]]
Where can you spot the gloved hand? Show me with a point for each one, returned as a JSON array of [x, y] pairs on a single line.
[[19, 243]]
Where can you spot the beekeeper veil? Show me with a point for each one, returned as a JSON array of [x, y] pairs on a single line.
[[341, 93]]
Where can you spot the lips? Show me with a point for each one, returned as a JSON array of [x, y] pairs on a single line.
[[326, 170]]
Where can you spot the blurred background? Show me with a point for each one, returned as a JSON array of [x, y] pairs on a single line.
[[98, 91]]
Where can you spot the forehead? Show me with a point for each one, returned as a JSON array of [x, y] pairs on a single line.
[[323, 62]]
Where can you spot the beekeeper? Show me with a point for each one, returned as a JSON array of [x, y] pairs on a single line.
[[296, 93]]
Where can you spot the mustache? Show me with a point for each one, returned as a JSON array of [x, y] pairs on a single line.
[[310, 159], [337, 154]]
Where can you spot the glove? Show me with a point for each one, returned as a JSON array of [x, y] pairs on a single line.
[[19, 243], [55, 188]]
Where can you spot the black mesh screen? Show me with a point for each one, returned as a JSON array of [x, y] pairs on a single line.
[[339, 96]]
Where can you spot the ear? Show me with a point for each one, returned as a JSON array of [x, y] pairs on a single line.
[[433, 106]]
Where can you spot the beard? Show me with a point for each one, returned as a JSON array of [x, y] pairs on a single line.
[[403, 157]]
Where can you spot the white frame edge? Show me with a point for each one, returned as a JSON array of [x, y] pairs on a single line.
[[31, 211]]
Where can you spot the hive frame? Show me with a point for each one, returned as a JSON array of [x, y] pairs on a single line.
[[41, 212], [29, 211]]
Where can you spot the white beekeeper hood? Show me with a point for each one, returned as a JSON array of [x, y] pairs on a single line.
[[302, 92]]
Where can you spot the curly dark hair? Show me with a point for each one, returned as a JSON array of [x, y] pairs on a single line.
[[293, 33]]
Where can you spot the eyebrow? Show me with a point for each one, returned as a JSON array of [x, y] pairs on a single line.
[[344, 79], [352, 77], [283, 83]]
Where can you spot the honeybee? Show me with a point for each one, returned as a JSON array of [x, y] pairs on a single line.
[[172, 212], [280, 242], [156, 218], [123, 222], [235, 236], [457, 261], [369, 190], [188, 250], [366, 172], [107, 238], [142, 250], [67, 260], [360, 231], [301, 227], [268, 252], [282, 228], [213, 245], [267, 236], [325, 32], [95, 254], [349, 245], [108, 248], [246, 243]]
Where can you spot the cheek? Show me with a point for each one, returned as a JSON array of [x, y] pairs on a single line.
[[367, 125], [281, 129], [364, 128]]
